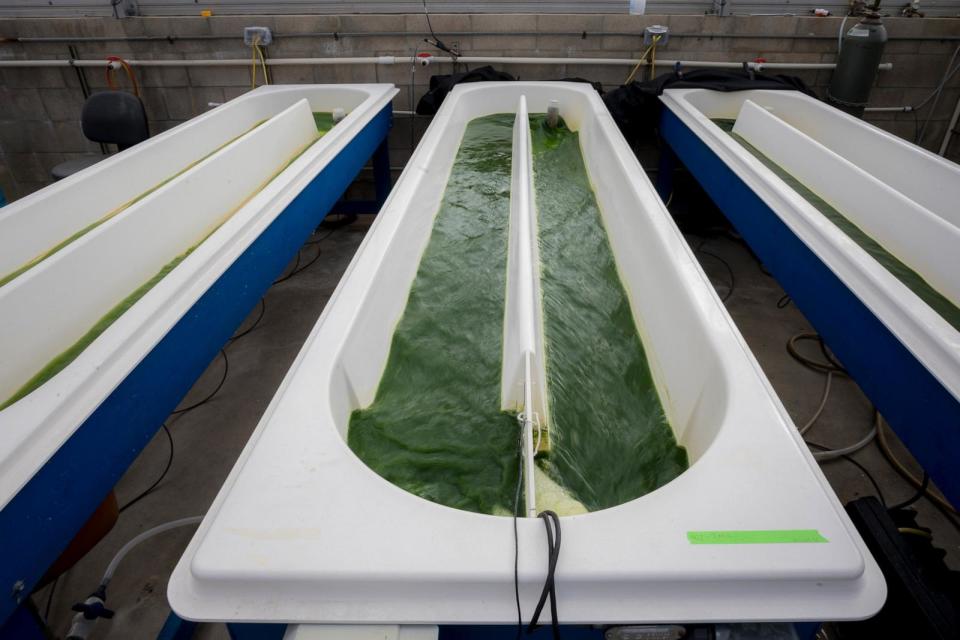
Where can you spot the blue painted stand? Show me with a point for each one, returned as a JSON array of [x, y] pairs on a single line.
[[42, 518], [922, 412]]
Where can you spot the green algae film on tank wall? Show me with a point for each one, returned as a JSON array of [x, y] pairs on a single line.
[[942, 305], [435, 427], [323, 121]]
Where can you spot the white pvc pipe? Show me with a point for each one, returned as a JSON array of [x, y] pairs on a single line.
[[388, 60], [521, 205]]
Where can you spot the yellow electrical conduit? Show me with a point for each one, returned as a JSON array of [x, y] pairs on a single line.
[[652, 49], [59, 362], [256, 51], [115, 212]]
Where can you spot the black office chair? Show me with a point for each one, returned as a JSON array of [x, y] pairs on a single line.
[[111, 117]]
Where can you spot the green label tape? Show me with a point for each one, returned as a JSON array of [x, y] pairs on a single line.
[[763, 536]]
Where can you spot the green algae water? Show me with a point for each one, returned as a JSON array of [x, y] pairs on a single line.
[[323, 121], [435, 427], [944, 307], [610, 441]]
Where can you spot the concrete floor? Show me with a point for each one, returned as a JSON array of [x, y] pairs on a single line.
[[209, 439]]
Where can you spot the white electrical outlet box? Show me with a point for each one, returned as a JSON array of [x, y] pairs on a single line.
[[257, 35], [655, 30]]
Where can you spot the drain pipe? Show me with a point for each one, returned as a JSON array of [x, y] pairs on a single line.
[[390, 60]]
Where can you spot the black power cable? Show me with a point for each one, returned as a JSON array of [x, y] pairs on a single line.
[[921, 491], [516, 536], [434, 41], [143, 494], [223, 378], [263, 310], [863, 469], [551, 521]]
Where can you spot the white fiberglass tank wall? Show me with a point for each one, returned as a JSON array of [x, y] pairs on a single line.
[[95, 269], [880, 212], [750, 531]]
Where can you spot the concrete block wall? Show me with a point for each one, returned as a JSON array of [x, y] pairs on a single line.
[[40, 107]]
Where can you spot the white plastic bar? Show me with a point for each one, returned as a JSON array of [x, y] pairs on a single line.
[[523, 370], [902, 226], [51, 306]]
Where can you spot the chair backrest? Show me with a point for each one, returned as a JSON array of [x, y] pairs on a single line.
[[114, 117]]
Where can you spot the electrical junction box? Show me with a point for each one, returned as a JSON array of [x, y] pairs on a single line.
[[257, 35], [655, 30]]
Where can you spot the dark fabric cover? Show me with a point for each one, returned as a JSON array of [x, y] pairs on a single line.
[[441, 85], [636, 107], [114, 117]]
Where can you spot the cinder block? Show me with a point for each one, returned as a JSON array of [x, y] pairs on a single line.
[[940, 26], [686, 25], [947, 103], [444, 23], [620, 23], [817, 26], [305, 24], [760, 47], [570, 23], [941, 47], [395, 45], [154, 104], [21, 104], [528, 43], [219, 77], [62, 104], [163, 76], [887, 97], [234, 25], [67, 137], [292, 75], [803, 45], [181, 26], [704, 43], [625, 42], [573, 44], [902, 27], [27, 137], [33, 78], [719, 24], [8, 184], [372, 23], [26, 167], [913, 71], [356, 73], [178, 102], [229, 93], [504, 23]]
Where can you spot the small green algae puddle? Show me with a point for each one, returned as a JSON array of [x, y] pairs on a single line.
[[898, 269], [435, 427], [324, 122]]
